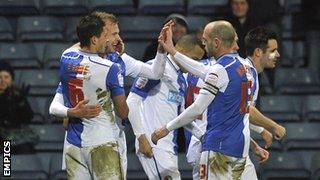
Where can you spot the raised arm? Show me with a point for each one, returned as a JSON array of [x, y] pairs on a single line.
[[153, 71], [214, 81], [192, 66]]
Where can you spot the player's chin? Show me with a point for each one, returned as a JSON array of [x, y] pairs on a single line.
[[110, 49], [273, 64]]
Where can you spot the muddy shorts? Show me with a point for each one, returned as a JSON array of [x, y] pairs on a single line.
[[96, 162], [214, 165]]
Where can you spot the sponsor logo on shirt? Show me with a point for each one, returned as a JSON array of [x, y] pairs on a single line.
[[175, 97]]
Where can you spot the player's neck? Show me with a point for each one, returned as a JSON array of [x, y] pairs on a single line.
[[89, 49], [222, 52], [255, 64]]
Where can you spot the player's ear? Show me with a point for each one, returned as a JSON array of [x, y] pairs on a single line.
[[257, 52], [93, 40], [216, 42]]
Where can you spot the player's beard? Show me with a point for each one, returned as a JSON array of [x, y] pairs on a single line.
[[110, 48], [272, 59]]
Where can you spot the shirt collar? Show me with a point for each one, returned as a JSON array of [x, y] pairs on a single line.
[[172, 63], [250, 61], [86, 53], [235, 54]]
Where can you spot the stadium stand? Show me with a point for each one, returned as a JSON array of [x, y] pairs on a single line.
[[281, 108], [285, 166], [288, 79], [117, 7], [161, 7], [20, 55], [19, 7], [64, 8], [39, 28], [6, 33], [207, 7], [312, 108]]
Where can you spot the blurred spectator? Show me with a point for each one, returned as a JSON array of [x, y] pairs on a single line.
[[15, 113], [267, 12], [241, 21], [179, 29], [311, 14]]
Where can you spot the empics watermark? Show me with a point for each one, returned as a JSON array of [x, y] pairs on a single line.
[[6, 158]]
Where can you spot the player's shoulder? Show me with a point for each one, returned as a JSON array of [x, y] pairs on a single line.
[[205, 61], [216, 68], [228, 60], [71, 53], [98, 61], [247, 62]]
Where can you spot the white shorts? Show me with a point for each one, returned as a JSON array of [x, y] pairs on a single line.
[[122, 147], [164, 165], [94, 162], [249, 172], [214, 165], [194, 154]]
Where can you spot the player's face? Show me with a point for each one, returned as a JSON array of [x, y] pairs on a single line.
[[5, 80], [270, 57], [177, 32], [235, 46], [112, 37], [100, 42], [208, 42], [239, 8]]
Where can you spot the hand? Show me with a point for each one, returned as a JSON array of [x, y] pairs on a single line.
[[120, 47], [267, 137], [279, 132], [158, 134], [165, 38], [144, 146], [65, 123], [83, 110], [262, 154]]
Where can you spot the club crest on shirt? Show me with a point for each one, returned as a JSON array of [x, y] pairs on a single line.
[[241, 70], [141, 82]]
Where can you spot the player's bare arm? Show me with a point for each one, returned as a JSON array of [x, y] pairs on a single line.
[[120, 106], [257, 118], [267, 137], [259, 151]]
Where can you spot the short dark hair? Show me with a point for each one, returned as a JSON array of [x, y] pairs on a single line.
[[258, 38], [189, 41], [5, 66], [92, 25], [178, 19]]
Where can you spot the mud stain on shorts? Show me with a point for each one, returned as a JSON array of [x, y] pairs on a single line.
[[106, 162], [238, 168], [72, 162], [219, 163]]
